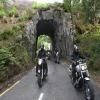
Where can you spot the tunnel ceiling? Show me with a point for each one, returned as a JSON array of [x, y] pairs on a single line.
[[46, 27], [55, 23]]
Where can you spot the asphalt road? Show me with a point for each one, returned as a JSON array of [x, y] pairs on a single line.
[[57, 87]]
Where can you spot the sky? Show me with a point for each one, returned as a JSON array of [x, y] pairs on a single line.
[[42, 1], [49, 1], [38, 1]]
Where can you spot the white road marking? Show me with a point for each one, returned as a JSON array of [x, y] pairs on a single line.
[[41, 96], [9, 88], [12, 86]]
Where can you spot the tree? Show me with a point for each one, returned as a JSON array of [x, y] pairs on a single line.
[[89, 7], [67, 5], [72, 6]]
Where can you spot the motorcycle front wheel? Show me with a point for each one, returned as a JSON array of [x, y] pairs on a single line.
[[88, 91], [40, 82]]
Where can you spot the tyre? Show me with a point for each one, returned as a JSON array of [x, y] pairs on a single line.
[[58, 62], [44, 78], [88, 91], [40, 82]]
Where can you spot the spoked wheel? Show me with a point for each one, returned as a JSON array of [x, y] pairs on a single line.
[[89, 91]]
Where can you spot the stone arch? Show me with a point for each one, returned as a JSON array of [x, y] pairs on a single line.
[[47, 27], [54, 23]]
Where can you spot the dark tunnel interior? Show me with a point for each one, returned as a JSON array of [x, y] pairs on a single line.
[[47, 27]]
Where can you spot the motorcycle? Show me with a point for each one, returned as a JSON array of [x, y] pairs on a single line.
[[42, 74], [82, 79]]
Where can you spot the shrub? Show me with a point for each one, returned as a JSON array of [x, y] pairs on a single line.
[[90, 45], [6, 34], [16, 28], [2, 11], [23, 18], [21, 55], [12, 32], [39, 5], [6, 60], [13, 11]]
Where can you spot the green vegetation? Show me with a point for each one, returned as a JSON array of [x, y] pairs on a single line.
[[2, 11], [89, 8], [44, 40], [45, 6], [40, 5], [14, 14], [6, 59], [26, 15], [89, 43], [14, 57], [13, 11], [88, 29]]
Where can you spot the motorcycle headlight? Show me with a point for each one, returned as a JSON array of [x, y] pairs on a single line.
[[40, 61], [84, 66]]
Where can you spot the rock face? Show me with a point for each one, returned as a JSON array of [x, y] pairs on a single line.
[[54, 23]]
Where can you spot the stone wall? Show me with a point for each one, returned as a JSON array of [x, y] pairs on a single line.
[[62, 35]]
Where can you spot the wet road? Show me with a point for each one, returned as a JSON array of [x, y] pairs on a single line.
[[57, 87]]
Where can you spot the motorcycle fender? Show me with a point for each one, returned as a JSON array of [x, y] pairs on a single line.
[[87, 79]]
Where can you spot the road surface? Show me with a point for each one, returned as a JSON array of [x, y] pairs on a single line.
[[57, 87]]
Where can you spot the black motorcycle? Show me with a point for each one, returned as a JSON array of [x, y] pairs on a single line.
[[42, 74], [81, 80]]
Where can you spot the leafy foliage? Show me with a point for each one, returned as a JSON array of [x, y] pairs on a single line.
[[13, 11], [39, 5], [2, 11], [43, 40], [6, 34], [14, 57], [88, 7], [11, 33], [3, 1], [72, 5], [89, 44], [6, 59]]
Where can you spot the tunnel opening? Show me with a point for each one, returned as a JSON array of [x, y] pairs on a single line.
[[46, 29], [55, 24], [44, 40]]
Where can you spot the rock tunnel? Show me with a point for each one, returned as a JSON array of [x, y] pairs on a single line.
[[54, 23], [47, 27]]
